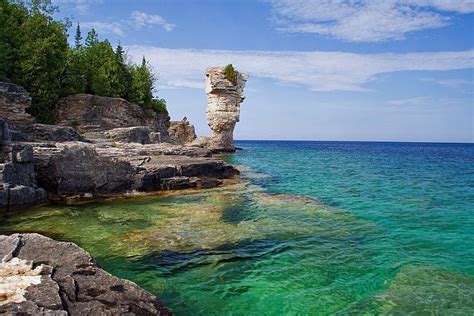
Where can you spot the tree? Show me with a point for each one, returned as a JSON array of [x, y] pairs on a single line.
[[92, 38], [78, 37], [12, 16]]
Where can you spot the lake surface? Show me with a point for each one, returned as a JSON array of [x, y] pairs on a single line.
[[313, 228]]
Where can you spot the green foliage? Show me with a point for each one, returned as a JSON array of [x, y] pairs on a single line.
[[230, 74], [34, 53], [78, 37], [158, 105], [74, 123]]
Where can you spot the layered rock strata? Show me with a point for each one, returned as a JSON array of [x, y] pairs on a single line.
[[223, 107], [18, 184], [41, 276], [69, 169], [91, 113], [14, 100]]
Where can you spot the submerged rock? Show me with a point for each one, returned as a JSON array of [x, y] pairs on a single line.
[[39, 275], [223, 107]]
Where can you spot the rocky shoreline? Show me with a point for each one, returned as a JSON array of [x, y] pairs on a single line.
[[98, 147], [102, 146], [41, 276]]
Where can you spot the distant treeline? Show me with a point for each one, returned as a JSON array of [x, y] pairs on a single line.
[[35, 53]]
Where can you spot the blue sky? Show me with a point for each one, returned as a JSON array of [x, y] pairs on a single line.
[[393, 70]]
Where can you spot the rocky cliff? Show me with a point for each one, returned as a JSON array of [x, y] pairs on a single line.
[[18, 183], [41, 276], [223, 107], [92, 113], [14, 100]]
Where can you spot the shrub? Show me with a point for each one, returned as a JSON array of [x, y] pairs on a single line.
[[158, 105], [230, 74], [74, 123]]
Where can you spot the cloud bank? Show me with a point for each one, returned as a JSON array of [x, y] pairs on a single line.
[[319, 71], [366, 21]]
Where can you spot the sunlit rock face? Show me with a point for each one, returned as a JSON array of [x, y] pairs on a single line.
[[223, 107]]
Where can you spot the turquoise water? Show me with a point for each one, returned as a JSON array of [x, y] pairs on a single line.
[[313, 228]]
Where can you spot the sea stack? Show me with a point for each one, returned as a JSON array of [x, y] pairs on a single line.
[[224, 89]]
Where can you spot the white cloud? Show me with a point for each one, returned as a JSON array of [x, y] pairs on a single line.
[[412, 101], [81, 6], [141, 20], [319, 71], [105, 27], [449, 83], [365, 21], [137, 20]]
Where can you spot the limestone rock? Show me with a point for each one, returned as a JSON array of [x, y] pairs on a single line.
[[18, 185], [79, 169], [94, 113], [181, 132], [41, 276], [223, 107], [55, 133], [14, 100], [68, 169], [136, 134]]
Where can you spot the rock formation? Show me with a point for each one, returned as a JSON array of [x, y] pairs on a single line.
[[41, 276], [92, 113], [14, 100], [181, 132], [223, 107], [18, 186], [114, 153]]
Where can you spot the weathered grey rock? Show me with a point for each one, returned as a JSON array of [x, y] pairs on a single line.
[[79, 169], [55, 133], [14, 100], [18, 186], [136, 134], [42, 276], [93, 113], [68, 169], [223, 107], [181, 132]]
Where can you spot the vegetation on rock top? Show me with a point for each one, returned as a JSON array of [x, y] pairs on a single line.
[[230, 74]]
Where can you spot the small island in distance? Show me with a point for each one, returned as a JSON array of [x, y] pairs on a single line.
[[110, 206]]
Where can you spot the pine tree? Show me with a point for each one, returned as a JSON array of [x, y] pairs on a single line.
[[78, 37], [92, 38]]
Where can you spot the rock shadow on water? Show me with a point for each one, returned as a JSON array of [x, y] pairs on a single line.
[[172, 262]]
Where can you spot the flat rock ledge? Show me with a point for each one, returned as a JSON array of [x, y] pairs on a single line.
[[41, 276]]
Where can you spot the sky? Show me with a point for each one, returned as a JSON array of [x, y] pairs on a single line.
[[391, 70]]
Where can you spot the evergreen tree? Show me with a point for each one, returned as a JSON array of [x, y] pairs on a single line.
[[92, 38], [78, 37]]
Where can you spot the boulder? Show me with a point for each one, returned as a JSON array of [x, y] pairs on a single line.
[[41, 276]]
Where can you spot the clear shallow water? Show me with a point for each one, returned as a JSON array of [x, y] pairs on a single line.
[[314, 228]]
